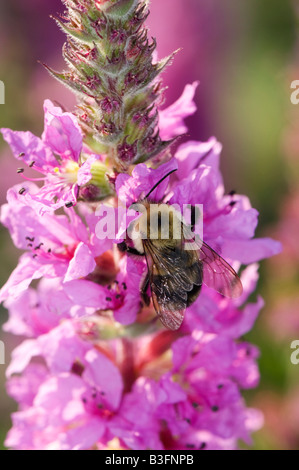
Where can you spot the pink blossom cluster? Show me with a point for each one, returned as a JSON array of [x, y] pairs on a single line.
[[96, 370]]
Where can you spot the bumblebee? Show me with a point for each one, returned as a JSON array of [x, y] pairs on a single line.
[[177, 263]]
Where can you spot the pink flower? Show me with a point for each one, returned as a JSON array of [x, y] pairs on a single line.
[[71, 401], [57, 246], [96, 370], [69, 411], [229, 220], [230, 320], [61, 246], [130, 188], [59, 155], [37, 311], [122, 296], [171, 119], [96, 388], [87, 390]]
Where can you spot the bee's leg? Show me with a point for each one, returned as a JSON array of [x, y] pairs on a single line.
[[143, 289], [123, 247]]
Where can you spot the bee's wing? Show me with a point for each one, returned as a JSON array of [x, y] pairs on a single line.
[[169, 283], [217, 273]]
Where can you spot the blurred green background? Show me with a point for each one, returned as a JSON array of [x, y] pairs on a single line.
[[245, 55]]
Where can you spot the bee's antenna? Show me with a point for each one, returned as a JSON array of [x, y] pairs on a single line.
[[159, 182]]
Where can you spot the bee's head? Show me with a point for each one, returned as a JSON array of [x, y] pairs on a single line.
[[143, 227]]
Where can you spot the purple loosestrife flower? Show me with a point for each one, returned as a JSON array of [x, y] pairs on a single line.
[[229, 219], [95, 357], [75, 399], [60, 155], [57, 245], [154, 370], [61, 246], [96, 387], [171, 119], [37, 311], [71, 171]]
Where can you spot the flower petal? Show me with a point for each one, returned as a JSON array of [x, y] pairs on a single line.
[[171, 119], [62, 132], [29, 148], [81, 264]]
